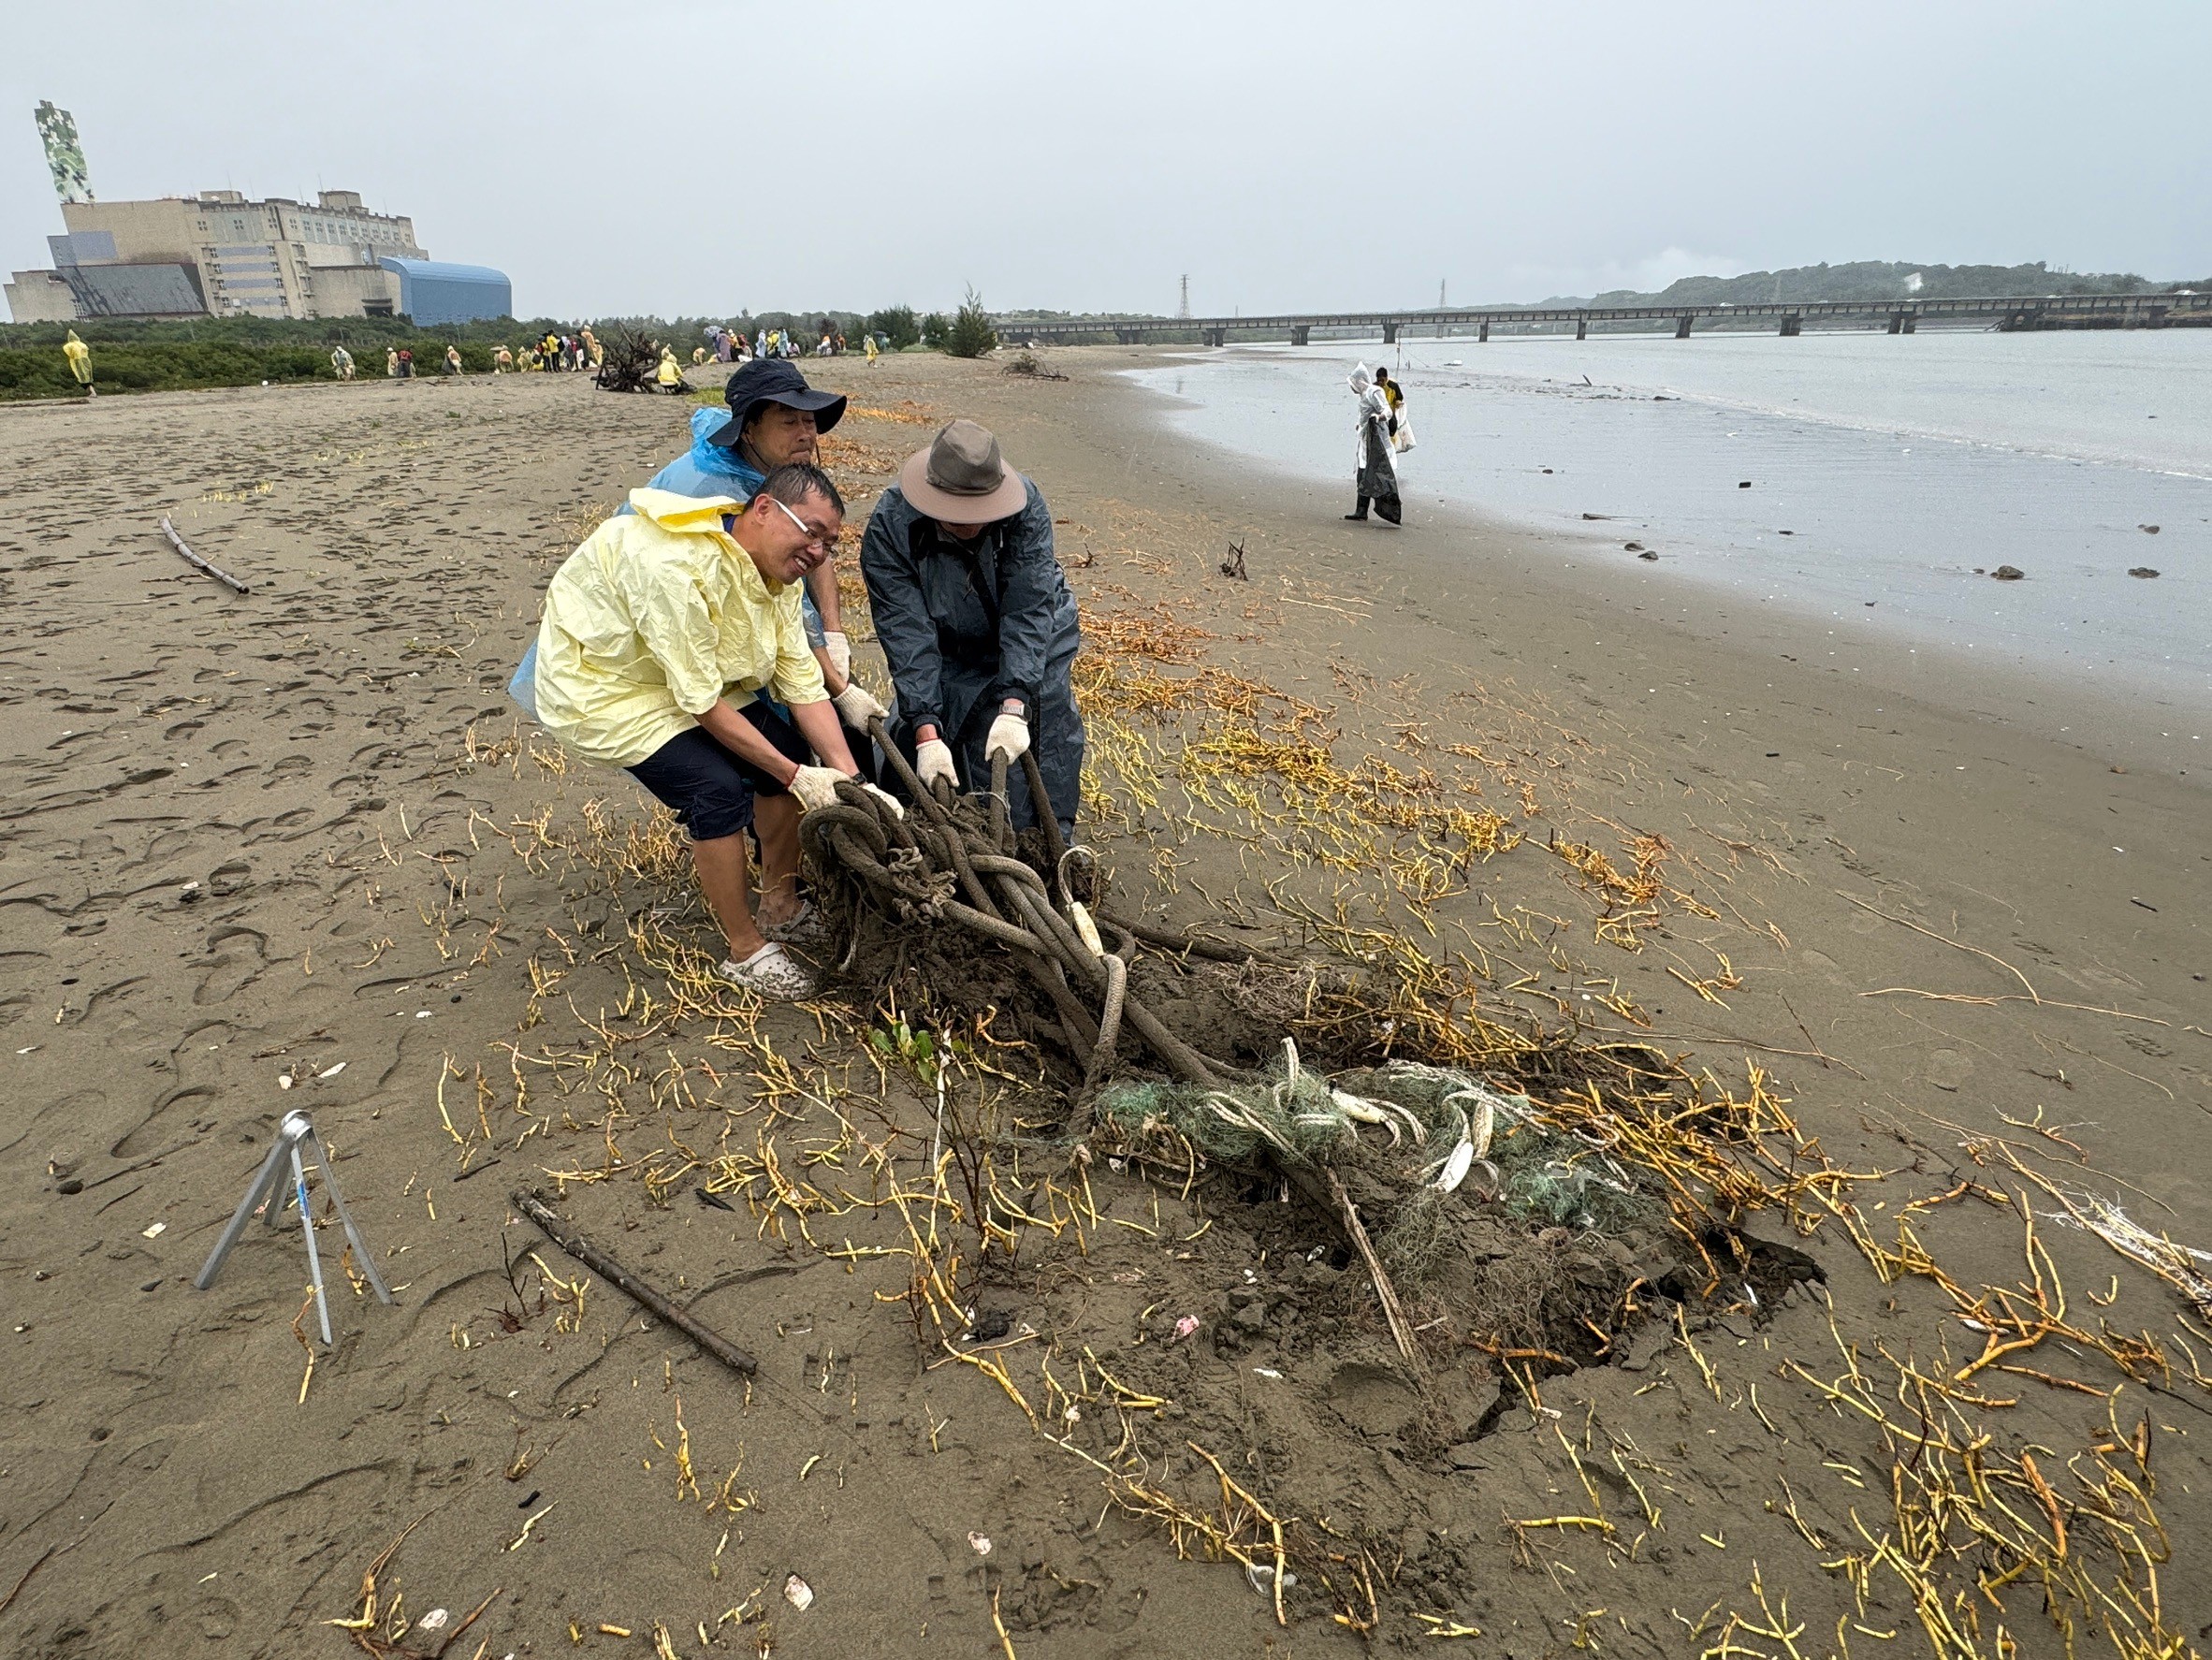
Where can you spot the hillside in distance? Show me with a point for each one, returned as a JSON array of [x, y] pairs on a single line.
[[1858, 282], [1878, 279]]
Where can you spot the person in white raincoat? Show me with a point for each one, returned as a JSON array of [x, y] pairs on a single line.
[[1377, 467]]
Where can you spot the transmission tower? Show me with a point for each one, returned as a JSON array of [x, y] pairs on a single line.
[[1184, 310]]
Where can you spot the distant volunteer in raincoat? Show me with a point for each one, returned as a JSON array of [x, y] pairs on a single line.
[[977, 621], [80, 355], [662, 638], [1377, 466], [1393, 393], [774, 419]]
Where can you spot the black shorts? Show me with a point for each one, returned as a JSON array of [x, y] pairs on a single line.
[[710, 789]]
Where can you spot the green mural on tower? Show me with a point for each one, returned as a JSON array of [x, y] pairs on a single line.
[[64, 155]]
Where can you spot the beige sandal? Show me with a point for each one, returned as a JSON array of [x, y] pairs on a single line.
[[771, 974]]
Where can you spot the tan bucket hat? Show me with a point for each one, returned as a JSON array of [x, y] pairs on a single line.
[[961, 479]]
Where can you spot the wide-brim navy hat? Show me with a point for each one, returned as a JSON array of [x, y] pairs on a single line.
[[770, 380]]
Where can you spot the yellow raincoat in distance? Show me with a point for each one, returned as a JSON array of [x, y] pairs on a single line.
[[659, 615]]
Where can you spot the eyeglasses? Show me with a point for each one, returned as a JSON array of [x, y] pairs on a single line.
[[816, 536]]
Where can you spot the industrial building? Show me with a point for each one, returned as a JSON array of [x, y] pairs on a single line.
[[437, 291], [219, 254]]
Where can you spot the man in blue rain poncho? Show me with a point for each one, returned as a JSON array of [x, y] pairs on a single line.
[[977, 621], [774, 420]]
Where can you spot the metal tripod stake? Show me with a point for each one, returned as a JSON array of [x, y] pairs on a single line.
[[268, 1188]]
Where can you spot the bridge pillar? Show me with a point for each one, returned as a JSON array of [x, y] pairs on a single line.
[[1581, 328], [1681, 327], [1389, 334], [1216, 337], [1484, 338], [1792, 325], [1896, 322], [1302, 335], [1911, 321]]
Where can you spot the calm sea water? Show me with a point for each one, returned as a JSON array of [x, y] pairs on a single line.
[[1883, 470]]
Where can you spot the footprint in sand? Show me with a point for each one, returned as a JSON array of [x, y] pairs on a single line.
[[1820, 960], [1948, 1068], [151, 1131], [240, 954]]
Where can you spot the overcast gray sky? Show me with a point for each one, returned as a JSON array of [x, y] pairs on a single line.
[[684, 158]]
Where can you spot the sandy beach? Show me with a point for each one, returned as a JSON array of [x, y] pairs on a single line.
[[293, 847]]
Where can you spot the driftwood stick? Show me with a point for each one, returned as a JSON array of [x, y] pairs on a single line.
[[558, 1228], [1385, 1292], [220, 575]]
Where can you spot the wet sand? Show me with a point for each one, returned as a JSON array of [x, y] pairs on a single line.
[[269, 834]]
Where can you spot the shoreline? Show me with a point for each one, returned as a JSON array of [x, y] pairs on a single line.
[[2080, 448], [2137, 728]]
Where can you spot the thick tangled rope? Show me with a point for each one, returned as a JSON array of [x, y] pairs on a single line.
[[953, 862]]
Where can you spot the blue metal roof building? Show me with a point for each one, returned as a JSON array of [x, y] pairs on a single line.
[[432, 291]]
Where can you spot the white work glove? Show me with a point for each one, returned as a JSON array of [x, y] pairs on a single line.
[[841, 652], [816, 787], [1010, 735], [857, 706], [933, 759], [888, 799]]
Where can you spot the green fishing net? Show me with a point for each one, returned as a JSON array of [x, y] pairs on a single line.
[[1436, 1120]]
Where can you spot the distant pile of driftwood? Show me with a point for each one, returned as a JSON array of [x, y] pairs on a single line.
[[631, 359]]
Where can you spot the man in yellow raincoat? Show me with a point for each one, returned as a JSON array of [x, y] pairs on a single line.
[[671, 373], [80, 355], [664, 637]]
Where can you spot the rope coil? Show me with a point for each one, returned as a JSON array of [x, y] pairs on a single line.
[[952, 863]]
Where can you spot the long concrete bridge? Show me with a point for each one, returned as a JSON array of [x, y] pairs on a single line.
[[1902, 317]]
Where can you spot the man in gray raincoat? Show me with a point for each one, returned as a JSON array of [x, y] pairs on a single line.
[[977, 621]]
